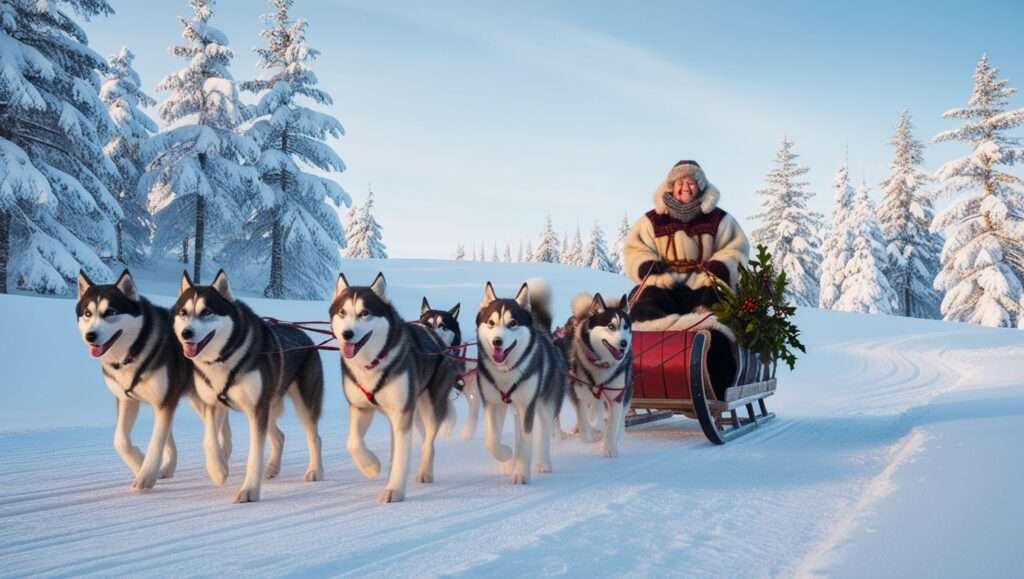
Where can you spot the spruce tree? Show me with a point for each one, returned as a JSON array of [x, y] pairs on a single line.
[[547, 246], [864, 287], [790, 230], [983, 257], [618, 250], [363, 233], [596, 253], [838, 246]]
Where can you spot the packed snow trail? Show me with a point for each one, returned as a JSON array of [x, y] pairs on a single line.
[[790, 498]]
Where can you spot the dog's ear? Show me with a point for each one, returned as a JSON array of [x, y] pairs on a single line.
[[341, 286], [624, 303], [186, 283], [84, 283], [597, 305], [454, 311], [126, 284], [489, 295], [523, 297], [220, 283], [425, 306], [379, 286]]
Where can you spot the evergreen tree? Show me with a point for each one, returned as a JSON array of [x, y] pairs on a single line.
[[618, 250], [983, 258], [364, 233], [460, 252], [838, 246], [864, 287], [529, 251], [547, 246], [905, 215], [519, 256], [197, 184], [57, 211], [596, 253], [790, 230], [508, 253], [122, 94], [573, 251], [297, 240], [494, 253]]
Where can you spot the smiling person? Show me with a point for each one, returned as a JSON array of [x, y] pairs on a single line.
[[675, 252]]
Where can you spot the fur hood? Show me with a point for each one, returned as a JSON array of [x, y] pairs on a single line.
[[708, 201]]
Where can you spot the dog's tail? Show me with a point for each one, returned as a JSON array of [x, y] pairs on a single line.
[[581, 304], [540, 302], [450, 418]]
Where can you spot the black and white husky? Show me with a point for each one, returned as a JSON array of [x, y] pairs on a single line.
[[244, 363], [141, 362], [597, 342], [395, 367], [446, 324], [519, 366]]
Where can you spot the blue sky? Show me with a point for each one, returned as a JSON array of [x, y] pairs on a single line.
[[475, 120]]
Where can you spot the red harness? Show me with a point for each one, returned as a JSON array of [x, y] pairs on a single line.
[[598, 390]]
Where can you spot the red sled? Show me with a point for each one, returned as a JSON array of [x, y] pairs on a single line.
[[671, 377]]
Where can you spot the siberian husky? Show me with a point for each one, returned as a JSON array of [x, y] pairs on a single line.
[[597, 342], [519, 366], [446, 324], [244, 363], [141, 362], [395, 367]]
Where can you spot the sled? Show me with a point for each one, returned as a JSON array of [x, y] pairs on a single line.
[[671, 377]]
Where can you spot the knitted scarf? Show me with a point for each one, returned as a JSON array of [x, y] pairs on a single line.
[[684, 212]]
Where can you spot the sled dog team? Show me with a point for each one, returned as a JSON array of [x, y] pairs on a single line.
[[213, 349]]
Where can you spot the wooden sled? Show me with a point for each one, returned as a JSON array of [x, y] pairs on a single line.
[[671, 377]]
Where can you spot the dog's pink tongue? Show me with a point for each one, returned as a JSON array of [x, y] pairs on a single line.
[[95, 351], [191, 349], [348, 349], [499, 355]]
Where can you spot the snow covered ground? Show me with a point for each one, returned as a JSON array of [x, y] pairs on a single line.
[[896, 453]]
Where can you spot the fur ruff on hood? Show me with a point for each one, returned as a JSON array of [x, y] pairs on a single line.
[[708, 199]]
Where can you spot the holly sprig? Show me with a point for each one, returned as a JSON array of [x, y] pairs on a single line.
[[757, 311]]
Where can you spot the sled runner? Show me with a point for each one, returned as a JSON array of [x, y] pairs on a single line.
[[671, 377]]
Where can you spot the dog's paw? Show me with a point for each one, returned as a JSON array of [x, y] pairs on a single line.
[[314, 475], [610, 451], [521, 477], [144, 481], [247, 495], [218, 472], [502, 452], [167, 472], [368, 464], [391, 496], [273, 469], [425, 477]]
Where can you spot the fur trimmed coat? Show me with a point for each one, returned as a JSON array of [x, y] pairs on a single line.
[[714, 238]]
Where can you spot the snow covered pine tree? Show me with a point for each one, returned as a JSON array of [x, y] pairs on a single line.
[[791, 231], [838, 246], [547, 246], [122, 94], [905, 215], [296, 243], [364, 233], [864, 287], [618, 250], [57, 212], [595, 256], [983, 258], [196, 180]]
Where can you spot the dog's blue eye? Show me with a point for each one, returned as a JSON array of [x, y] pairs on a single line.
[[109, 313], [513, 324], [205, 313], [611, 327], [364, 314]]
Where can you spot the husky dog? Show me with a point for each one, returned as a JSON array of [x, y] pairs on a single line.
[[446, 324], [134, 342], [519, 366], [242, 362], [393, 366], [597, 343]]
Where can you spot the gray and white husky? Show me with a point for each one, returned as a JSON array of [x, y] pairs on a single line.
[[243, 362], [395, 367], [519, 366], [446, 324], [141, 362], [598, 345]]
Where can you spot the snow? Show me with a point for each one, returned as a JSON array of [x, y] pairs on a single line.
[[891, 456]]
